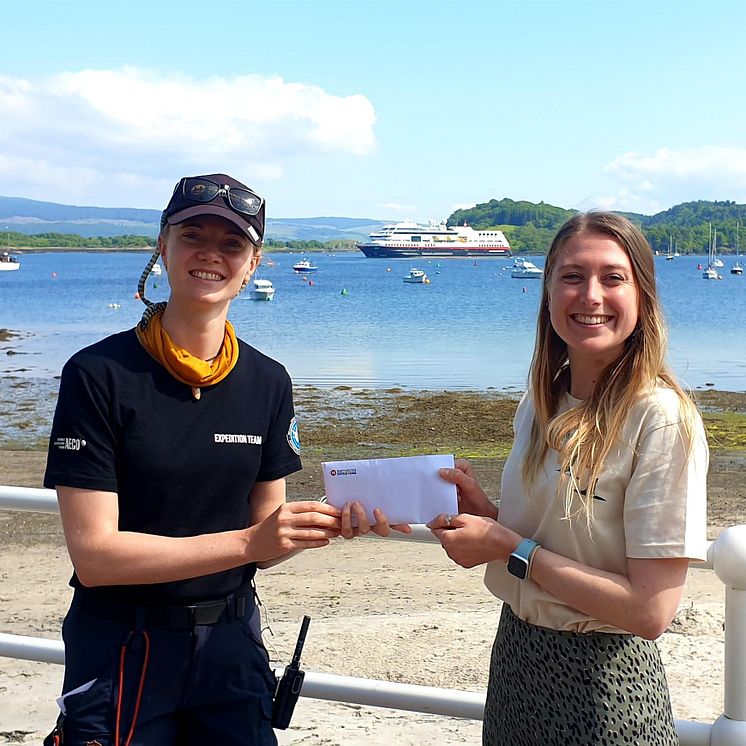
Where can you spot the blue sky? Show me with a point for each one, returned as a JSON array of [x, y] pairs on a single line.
[[389, 109]]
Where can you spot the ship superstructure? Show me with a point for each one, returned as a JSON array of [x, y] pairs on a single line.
[[438, 240]]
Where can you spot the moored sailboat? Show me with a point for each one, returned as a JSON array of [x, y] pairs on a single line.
[[711, 272], [737, 268]]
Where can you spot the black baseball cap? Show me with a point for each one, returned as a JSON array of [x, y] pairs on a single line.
[[217, 194]]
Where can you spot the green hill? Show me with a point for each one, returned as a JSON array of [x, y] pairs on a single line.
[[530, 227]]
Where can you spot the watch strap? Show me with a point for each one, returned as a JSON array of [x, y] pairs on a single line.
[[526, 550]]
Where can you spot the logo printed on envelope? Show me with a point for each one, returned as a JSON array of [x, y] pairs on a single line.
[[342, 472]]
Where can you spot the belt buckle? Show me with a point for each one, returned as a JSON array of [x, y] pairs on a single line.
[[200, 614]]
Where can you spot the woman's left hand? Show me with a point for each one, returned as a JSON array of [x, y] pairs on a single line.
[[471, 540], [381, 526]]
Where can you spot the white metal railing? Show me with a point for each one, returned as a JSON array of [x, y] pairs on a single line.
[[726, 556]]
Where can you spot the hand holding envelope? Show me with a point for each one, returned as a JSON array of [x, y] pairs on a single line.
[[407, 489]]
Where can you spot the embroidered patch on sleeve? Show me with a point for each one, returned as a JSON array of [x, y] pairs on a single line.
[[293, 437]]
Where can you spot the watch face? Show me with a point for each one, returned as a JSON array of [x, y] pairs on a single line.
[[517, 566]]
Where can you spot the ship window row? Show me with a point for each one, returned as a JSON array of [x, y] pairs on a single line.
[[423, 233]]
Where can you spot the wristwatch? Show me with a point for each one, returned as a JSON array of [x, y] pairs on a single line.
[[519, 562]]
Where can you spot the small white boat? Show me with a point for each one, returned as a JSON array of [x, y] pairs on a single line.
[[8, 263], [416, 276], [525, 268], [156, 269], [262, 290], [304, 266], [711, 274]]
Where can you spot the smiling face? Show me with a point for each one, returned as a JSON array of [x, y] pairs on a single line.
[[208, 259], [593, 301]]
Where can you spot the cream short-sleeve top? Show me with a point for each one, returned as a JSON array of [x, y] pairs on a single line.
[[650, 502]]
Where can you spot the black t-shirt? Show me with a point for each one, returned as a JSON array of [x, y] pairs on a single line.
[[179, 466]]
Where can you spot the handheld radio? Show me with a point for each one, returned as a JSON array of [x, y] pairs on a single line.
[[289, 685]]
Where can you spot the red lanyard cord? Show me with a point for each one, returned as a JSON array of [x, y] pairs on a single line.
[[143, 670]]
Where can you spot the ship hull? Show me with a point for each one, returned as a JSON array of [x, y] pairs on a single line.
[[374, 251]]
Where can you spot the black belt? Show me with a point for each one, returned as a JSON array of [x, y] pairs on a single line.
[[170, 617]]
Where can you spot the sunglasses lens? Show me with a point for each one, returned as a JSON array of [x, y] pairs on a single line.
[[200, 190], [244, 201]]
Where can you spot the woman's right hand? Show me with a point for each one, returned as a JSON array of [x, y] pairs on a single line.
[[471, 497]]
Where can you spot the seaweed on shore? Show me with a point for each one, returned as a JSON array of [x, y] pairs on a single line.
[[346, 422]]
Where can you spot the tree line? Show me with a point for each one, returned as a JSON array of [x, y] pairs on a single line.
[[11, 240]]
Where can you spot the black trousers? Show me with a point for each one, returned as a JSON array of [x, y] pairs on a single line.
[[202, 684]]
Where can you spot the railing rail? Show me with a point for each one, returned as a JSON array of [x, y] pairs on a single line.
[[726, 556]]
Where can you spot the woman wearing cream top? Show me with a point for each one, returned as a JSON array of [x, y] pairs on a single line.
[[603, 506]]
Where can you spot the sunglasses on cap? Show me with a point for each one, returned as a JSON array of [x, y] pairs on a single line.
[[241, 200]]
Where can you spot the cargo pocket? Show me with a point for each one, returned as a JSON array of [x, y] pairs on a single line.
[[89, 715]]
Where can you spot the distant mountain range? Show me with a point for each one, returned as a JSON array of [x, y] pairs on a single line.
[[528, 226], [32, 217]]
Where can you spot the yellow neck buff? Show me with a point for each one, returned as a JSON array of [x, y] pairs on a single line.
[[180, 363]]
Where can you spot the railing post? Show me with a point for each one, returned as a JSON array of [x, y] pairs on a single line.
[[729, 563]]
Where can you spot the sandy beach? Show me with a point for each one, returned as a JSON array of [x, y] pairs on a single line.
[[381, 609]]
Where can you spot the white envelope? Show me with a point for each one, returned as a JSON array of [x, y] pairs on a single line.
[[407, 490]]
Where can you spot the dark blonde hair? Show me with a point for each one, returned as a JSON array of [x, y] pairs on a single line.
[[585, 434]]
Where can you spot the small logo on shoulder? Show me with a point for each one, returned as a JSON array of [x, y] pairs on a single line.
[[69, 444], [293, 437]]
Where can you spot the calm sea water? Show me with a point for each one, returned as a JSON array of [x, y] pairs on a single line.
[[355, 322]]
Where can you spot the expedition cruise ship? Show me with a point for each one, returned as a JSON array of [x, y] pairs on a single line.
[[434, 240]]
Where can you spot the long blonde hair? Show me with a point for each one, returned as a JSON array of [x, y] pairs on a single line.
[[584, 435]]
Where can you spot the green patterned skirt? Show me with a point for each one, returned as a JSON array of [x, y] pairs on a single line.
[[549, 688]]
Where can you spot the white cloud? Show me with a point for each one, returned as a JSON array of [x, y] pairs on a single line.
[[652, 182], [115, 137]]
